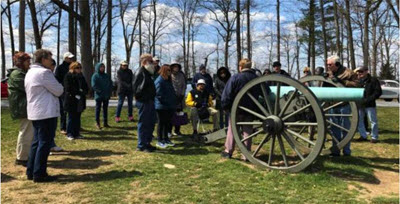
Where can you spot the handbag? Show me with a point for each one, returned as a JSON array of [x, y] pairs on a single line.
[[180, 118]]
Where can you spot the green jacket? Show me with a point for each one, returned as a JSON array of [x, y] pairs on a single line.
[[16, 93], [101, 84]]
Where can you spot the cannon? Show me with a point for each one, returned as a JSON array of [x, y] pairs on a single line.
[[291, 120]]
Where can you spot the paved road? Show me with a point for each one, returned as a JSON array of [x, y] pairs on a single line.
[[114, 103]]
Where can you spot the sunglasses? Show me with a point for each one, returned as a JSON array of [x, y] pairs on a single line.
[[78, 68]]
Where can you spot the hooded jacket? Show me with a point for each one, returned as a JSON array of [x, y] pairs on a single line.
[[143, 86], [124, 81], [16, 92], [101, 84], [220, 83], [179, 83]]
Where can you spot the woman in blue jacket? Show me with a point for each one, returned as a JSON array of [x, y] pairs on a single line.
[[102, 87], [165, 103]]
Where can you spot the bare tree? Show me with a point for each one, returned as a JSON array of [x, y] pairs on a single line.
[[321, 3], [248, 5], [278, 31], [394, 11], [337, 30], [109, 35], [225, 24], [128, 29], [238, 46], [350, 35]]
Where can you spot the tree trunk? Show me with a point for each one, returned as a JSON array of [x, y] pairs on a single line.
[[321, 2], [312, 20], [58, 36], [109, 36], [140, 28], [374, 52], [21, 27], [337, 31], [11, 30], [238, 46], [35, 24], [350, 35], [278, 31], [153, 36], [366, 34], [3, 54], [71, 40], [226, 53], [86, 51], [75, 42], [248, 30]]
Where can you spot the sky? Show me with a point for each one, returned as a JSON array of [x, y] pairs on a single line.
[[169, 47]]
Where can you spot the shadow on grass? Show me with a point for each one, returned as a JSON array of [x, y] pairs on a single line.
[[389, 132], [390, 141], [6, 178], [111, 138], [92, 153], [352, 174], [77, 164], [98, 177]]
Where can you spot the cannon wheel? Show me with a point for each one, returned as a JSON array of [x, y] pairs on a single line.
[[319, 81], [271, 128]]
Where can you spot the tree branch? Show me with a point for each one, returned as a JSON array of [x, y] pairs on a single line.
[[67, 9]]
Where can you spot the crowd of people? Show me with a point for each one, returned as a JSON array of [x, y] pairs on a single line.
[[39, 94]]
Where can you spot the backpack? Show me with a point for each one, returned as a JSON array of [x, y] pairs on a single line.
[[203, 113]]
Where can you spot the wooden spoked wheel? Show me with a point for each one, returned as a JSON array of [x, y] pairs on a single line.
[[327, 106], [276, 140]]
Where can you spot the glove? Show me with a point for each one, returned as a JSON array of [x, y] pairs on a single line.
[[336, 80], [325, 75], [198, 105]]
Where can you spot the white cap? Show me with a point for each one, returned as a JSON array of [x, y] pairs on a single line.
[[68, 55], [201, 81], [124, 63], [155, 58]]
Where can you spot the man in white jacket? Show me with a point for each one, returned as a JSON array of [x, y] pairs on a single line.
[[42, 92]]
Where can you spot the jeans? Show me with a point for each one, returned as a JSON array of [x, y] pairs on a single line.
[[338, 133], [99, 102], [371, 113], [147, 120], [164, 124], [74, 124], [121, 98], [44, 132], [63, 117], [223, 115]]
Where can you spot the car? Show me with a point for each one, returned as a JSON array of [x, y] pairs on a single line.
[[4, 87], [390, 90]]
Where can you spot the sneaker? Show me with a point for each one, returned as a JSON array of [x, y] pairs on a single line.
[[174, 134], [56, 149], [169, 143], [70, 137], [161, 145], [44, 179], [98, 126], [374, 141], [151, 147], [226, 155], [117, 119], [169, 135], [63, 132], [79, 137], [130, 118], [106, 125], [21, 162]]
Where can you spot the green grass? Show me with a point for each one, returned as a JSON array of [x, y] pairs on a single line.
[[105, 168]]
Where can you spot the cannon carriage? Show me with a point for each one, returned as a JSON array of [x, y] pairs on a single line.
[[290, 120]]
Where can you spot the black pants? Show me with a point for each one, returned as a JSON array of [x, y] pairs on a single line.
[[164, 124]]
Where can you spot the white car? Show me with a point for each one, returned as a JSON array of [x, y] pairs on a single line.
[[390, 90]]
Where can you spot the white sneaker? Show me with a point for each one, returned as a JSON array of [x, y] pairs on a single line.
[[169, 135], [70, 138], [56, 149]]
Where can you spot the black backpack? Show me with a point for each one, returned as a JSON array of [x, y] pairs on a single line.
[[203, 113]]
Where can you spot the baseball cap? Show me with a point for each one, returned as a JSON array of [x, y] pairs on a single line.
[[68, 55], [201, 81]]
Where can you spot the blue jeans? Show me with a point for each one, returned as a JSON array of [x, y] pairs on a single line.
[[223, 114], [146, 123], [74, 124], [371, 113], [338, 133], [105, 110], [121, 98], [43, 136]]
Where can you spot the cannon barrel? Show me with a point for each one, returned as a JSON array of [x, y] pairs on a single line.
[[327, 93]]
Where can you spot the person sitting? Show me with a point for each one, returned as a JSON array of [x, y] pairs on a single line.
[[199, 99]]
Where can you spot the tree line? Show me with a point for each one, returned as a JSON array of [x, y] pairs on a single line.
[[358, 31]]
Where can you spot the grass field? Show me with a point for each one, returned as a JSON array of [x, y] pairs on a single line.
[[105, 168]]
